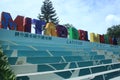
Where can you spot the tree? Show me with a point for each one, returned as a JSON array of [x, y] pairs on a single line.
[[6, 72], [68, 25], [114, 31], [48, 14]]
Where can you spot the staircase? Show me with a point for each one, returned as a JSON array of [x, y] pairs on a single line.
[[38, 57]]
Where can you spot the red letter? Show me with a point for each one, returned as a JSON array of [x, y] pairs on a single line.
[[101, 38], [19, 22], [83, 35], [110, 40]]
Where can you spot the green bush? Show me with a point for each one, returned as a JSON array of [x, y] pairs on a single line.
[[6, 72]]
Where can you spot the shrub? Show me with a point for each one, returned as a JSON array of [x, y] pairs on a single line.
[[6, 72]]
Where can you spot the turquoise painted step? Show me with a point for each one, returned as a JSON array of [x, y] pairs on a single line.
[[26, 53], [74, 53], [104, 68], [43, 47], [100, 77], [20, 47], [27, 43], [7, 42], [71, 73], [44, 44], [42, 60], [15, 47], [116, 52], [47, 47], [107, 76], [99, 69], [20, 69], [56, 75], [30, 53]]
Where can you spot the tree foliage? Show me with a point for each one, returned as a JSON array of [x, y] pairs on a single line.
[[68, 25], [48, 14], [114, 31], [6, 72]]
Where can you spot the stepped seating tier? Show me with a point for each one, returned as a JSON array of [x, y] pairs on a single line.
[[41, 60], [41, 57], [31, 68], [71, 73], [46, 53]]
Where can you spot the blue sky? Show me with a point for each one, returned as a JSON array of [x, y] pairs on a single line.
[[90, 15]]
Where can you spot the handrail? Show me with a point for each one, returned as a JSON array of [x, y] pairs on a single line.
[[48, 72], [92, 76]]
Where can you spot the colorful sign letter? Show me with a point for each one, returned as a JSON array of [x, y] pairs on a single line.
[[73, 33], [7, 22], [38, 25], [19, 21], [61, 31], [83, 35], [102, 39], [94, 37], [27, 26], [50, 29]]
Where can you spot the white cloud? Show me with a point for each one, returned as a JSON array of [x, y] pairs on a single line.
[[112, 19]]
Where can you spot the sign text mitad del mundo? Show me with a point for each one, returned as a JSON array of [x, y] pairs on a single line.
[[24, 24]]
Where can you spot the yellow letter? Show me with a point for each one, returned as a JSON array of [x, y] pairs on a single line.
[[94, 37], [50, 29]]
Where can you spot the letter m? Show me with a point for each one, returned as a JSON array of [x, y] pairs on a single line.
[[8, 23]]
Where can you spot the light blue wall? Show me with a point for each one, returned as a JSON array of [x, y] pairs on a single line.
[[26, 37]]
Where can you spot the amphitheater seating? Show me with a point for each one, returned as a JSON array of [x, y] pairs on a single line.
[[32, 59], [56, 66]]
